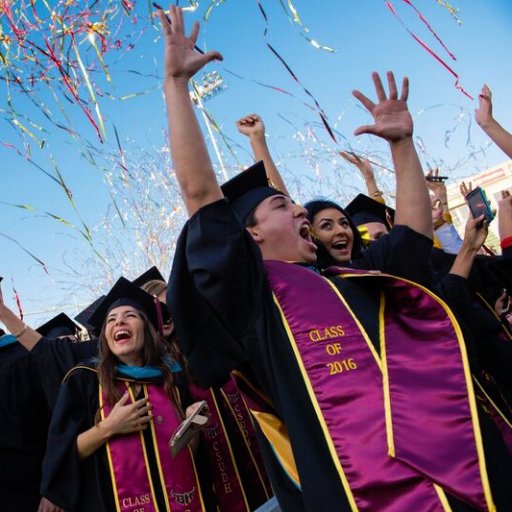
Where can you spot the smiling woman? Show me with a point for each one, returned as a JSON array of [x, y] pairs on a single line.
[[108, 441]]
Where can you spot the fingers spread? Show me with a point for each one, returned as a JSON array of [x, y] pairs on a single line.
[[195, 33], [405, 89], [369, 105], [379, 88], [393, 93]]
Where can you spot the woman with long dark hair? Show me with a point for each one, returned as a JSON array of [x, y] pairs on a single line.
[[108, 445]]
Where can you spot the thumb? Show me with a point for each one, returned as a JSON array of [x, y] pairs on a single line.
[[212, 55], [367, 128]]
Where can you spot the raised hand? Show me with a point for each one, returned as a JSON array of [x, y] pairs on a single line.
[[465, 189], [437, 187], [483, 114], [475, 233], [181, 61], [393, 122], [251, 126], [364, 166]]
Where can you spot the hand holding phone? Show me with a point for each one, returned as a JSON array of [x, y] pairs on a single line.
[[479, 205], [188, 428]]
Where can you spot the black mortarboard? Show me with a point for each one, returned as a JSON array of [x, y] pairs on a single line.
[[125, 293], [60, 325], [248, 189], [83, 317], [153, 274], [363, 209]]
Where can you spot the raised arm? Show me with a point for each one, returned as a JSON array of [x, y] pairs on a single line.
[[366, 170], [192, 164], [484, 117], [23, 333], [474, 237], [252, 126], [393, 122]]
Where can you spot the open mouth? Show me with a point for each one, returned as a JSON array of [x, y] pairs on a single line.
[[305, 232], [121, 336], [341, 245]]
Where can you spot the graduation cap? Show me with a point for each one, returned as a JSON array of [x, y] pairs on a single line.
[[83, 317], [60, 325], [125, 293], [363, 209], [248, 189], [153, 274]]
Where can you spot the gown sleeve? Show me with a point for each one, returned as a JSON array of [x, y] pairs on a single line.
[[55, 357], [74, 413], [214, 291], [403, 253]]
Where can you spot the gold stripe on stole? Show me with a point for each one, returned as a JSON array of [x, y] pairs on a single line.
[[498, 410], [141, 435], [231, 452], [159, 464], [312, 397], [491, 309], [109, 456], [157, 454], [385, 379], [468, 379], [442, 498], [256, 465]]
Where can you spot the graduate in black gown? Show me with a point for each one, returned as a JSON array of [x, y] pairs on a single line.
[[225, 314], [78, 469], [24, 419]]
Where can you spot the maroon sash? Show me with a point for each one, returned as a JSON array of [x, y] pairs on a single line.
[[224, 472], [369, 409], [132, 481], [243, 437]]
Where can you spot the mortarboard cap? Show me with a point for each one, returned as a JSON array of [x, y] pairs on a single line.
[[125, 293], [153, 274], [248, 189], [60, 325], [83, 317], [363, 209]]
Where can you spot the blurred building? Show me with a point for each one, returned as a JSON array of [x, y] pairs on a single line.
[[493, 181]]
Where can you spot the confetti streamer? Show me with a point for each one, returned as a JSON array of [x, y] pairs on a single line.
[[428, 49], [321, 113]]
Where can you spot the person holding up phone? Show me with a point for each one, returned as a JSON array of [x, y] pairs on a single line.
[[108, 443]]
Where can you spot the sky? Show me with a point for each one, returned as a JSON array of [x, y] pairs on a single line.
[[366, 37]]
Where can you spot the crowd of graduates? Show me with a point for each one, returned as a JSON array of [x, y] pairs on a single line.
[[322, 357]]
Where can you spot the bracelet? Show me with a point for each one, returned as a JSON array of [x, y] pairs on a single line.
[[22, 332], [377, 193]]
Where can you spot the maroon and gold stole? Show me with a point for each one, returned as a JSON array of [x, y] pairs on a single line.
[[224, 472], [400, 427], [132, 481], [243, 436], [488, 391]]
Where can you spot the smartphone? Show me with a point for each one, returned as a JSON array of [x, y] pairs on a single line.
[[185, 431], [479, 205], [436, 179]]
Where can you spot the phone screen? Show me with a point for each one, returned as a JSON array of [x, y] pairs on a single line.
[[478, 204]]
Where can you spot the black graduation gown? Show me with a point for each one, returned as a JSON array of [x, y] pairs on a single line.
[[225, 318], [86, 486], [55, 357], [24, 418]]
